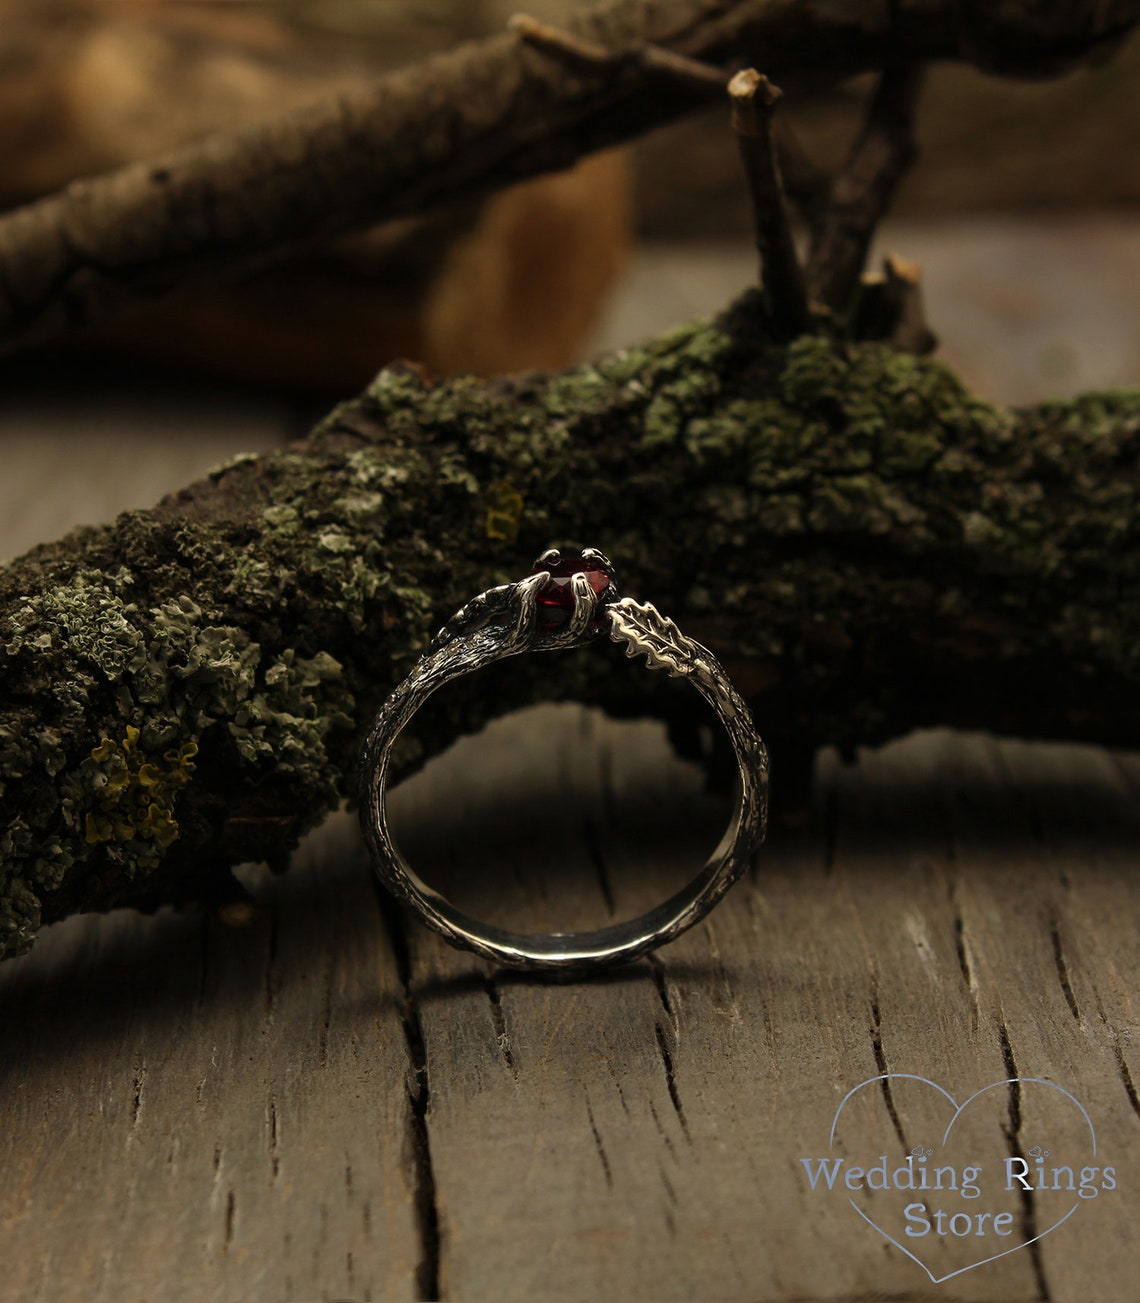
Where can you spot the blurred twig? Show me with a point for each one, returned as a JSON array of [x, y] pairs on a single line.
[[753, 99], [480, 117]]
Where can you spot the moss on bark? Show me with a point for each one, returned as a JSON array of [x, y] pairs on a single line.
[[866, 546]]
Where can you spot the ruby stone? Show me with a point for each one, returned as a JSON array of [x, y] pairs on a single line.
[[555, 601]]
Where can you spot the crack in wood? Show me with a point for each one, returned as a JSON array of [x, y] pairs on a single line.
[[427, 1211], [621, 1093], [274, 1157], [1013, 1141], [962, 950], [666, 1138], [657, 968], [881, 1061], [427, 1274], [1125, 1074], [326, 1015], [599, 1146], [137, 1094], [1063, 967], [499, 1022], [670, 1077]]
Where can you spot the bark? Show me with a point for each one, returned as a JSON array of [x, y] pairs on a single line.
[[868, 549], [781, 278], [862, 191], [488, 114]]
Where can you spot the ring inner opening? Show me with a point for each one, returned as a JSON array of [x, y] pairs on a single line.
[[559, 818]]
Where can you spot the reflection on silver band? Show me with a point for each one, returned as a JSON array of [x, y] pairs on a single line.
[[569, 600]]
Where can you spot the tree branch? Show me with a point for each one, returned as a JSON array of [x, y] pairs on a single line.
[[653, 59], [866, 547], [889, 307], [862, 191], [483, 116], [753, 100]]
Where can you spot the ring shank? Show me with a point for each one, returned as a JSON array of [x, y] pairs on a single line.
[[575, 951]]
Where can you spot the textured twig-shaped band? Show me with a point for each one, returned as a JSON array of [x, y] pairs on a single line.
[[568, 601]]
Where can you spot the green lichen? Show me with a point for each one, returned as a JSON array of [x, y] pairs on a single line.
[[148, 683], [284, 724], [89, 618]]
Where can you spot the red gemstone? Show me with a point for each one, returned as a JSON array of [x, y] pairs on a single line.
[[556, 600]]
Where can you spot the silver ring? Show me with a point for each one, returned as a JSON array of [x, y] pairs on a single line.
[[568, 600]]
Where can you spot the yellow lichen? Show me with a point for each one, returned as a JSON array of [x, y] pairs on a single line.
[[136, 794], [504, 511]]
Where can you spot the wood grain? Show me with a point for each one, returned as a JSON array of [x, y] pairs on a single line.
[[641, 1137], [196, 1112], [203, 1113]]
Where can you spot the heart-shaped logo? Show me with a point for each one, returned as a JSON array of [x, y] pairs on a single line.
[[954, 1186]]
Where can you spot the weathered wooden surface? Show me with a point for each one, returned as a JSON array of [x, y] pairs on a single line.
[[198, 1113], [201, 1113], [330, 1104]]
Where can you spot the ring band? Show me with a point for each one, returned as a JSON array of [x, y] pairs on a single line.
[[568, 600]]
